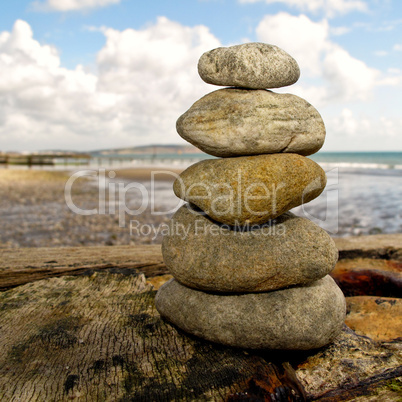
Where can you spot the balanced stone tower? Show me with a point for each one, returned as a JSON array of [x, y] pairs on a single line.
[[248, 273]]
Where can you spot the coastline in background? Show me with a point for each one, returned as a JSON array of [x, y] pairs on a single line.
[[356, 161], [350, 160], [359, 161], [363, 196]]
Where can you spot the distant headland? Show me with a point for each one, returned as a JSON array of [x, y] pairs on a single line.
[[150, 149]]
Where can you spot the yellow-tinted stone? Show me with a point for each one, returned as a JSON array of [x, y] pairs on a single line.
[[251, 189]]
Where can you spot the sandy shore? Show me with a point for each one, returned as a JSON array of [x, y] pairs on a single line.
[[147, 174], [34, 213]]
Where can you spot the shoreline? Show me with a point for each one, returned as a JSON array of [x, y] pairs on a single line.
[[147, 173], [34, 212]]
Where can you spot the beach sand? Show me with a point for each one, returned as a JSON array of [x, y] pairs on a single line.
[[34, 213], [139, 202], [147, 174]]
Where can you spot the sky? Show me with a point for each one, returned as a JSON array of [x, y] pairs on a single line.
[[96, 74]]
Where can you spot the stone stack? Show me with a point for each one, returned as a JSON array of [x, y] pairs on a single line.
[[248, 273]]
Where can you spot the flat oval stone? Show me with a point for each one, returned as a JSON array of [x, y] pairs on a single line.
[[298, 318], [250, 189], [287, 251], [251, 65], [239, 122]]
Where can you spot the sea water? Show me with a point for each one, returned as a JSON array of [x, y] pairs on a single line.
[[363, 193], [366, 193]]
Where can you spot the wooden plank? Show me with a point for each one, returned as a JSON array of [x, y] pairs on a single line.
[[20, 258], [97, 336], [379, 386], [369, 276], [24, 265], [387, 246], [352, 366], [100, 338]]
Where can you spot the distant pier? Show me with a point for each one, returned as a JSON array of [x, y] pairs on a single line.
[[44, 159]]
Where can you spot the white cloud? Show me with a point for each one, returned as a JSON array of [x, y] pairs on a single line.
[[338, 31], [71, 5], [357, 124], [378, 25], [356, 101], [146, 79], [361, 130], [348, 78], [332, 73], [330, 8], [347, 123], [154, 71], [304, 39], [398, 47], [380, 53]]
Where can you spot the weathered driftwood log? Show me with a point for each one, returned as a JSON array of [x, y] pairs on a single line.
[[370, 265], [25, 265], [379, 318], [20, 266], [369, 276], [352, 366], [97, 336], [383, 246]]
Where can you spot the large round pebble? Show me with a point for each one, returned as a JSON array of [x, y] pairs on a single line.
[[288, 251], [298, 318], [239, 122], [250, 189], [251, 65]]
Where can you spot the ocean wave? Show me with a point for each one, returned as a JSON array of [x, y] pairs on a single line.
[[359, 165]]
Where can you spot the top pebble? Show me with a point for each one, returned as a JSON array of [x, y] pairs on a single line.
[[251, 65]]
